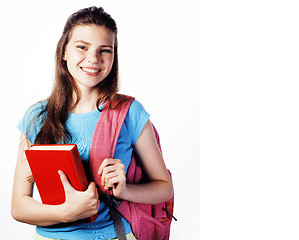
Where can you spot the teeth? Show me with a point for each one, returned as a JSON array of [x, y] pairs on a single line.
[[90, 70]]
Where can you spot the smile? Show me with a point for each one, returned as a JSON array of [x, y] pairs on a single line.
[[90, 70]]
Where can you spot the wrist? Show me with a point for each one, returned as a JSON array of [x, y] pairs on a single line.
[[63, 213], [127, 193]]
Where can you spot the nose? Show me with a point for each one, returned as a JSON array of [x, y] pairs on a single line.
[[93, 57]]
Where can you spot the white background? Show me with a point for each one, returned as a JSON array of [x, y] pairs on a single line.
[[220, 80]]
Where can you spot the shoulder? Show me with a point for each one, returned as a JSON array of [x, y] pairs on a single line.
[[36, 109], [136, 107], [136, 111], [33, 118], [136, 119]]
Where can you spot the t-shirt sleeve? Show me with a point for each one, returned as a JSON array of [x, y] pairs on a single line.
[[31, 123], [135, 120]]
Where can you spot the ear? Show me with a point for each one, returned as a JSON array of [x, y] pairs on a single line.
[[64, 58]]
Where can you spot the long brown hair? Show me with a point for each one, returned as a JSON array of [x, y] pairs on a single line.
[[60, 102]]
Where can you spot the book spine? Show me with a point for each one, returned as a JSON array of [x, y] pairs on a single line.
[[80, 176]]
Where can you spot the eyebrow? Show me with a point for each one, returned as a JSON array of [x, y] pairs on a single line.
[[87, 43]]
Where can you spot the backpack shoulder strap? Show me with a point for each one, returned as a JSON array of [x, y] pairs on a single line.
[[106, 133]]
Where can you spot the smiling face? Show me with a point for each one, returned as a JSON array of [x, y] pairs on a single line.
[[89, 55]]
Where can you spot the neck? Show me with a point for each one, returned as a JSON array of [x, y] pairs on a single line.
[[87, 102]]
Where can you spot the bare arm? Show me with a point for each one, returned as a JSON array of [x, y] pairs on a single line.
[[25, 209], [158, 189]]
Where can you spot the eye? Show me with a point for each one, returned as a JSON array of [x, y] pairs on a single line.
[[81, 47], [105, 50]]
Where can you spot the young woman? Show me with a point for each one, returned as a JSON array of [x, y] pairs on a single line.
[[86, 77]]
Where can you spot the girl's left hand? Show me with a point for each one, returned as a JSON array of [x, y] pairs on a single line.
[[113, 176]]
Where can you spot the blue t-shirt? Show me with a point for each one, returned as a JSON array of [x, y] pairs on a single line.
[[81, 128]]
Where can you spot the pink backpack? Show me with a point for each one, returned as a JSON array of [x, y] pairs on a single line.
[[149, 222]]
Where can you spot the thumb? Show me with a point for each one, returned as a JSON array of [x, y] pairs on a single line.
[[65, 182], [91, 187]]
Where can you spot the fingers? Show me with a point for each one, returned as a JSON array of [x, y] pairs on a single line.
[[108, 162], [79, 204], [110, 169], [114, 180], [113, 172]]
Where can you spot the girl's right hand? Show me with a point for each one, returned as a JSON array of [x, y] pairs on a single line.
[[79, 205]]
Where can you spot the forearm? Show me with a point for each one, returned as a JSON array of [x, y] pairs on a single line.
[[149, 193], [30, 211], [23, 207]]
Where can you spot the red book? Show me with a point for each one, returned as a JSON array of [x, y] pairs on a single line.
[[46, 160]]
